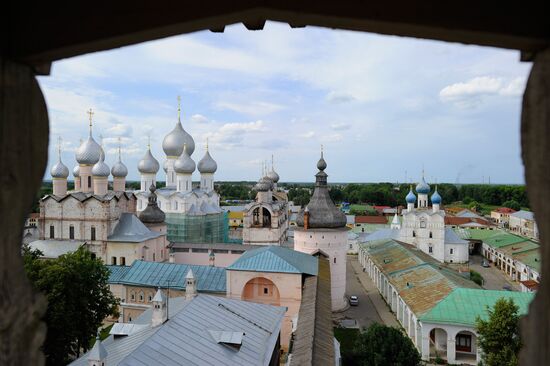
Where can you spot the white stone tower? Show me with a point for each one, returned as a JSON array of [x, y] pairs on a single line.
[[98, 354], [100, 174], [87, 155], [59, 174], [322, 228], [119, 172], [160, 309], [184, 168], [190, 285], [207, 167], [173, 147], [148, 167]]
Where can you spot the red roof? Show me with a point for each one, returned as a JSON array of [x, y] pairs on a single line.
[[34, 215], [504, 210], [455, 220], [530, 284], [371, 220]]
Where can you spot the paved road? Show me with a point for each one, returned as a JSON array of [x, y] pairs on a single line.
[[371, 307], [494, 277]]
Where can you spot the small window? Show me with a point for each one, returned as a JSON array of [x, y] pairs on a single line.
[[334, 260], [132, 296], [92, 233], [113, 261], [431, 236], [153, 257], [122, 261], [52, 232], [430, 249], [414, 234], [129, 318], [451, 251], [150, 297], [175, 205], [141, 296], [89, 182], [71, 232], [266, 291]]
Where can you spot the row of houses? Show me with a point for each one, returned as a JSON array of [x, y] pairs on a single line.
[[515, 255], [521, 222], [436, 305]]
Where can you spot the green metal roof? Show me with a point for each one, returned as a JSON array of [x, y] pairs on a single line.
[[477, 234], [530, 258], [502, 240], [275, 259], [156, 274], [464, 305], [117, 273]]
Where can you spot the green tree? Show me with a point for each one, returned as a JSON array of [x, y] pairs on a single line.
[[499, 336], [381, 345], [79, 299], [514, 205]]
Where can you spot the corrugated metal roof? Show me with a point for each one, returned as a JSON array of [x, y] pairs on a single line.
[[530, 258], [418, 278], [130, 229], [463, 305], [117, 273], [526, 215], [55, 248], [155, 274], [275, 259], [503, 239], [313, 340], [185, 339]]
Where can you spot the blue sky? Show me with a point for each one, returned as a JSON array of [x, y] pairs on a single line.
[[382, 106]]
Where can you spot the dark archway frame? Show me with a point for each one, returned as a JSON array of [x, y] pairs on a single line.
[[35, 35]]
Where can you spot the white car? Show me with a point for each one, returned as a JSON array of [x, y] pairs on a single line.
[[353, 300]]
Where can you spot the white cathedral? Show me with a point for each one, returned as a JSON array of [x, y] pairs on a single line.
[[424, 227]]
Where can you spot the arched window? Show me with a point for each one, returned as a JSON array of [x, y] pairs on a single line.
[[414, 234], [431, 236], [122, 261], [133, 296], [266, 217], [256, 216], [141, 296]]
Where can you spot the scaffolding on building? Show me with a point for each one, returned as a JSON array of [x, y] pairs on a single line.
[[212, 228]]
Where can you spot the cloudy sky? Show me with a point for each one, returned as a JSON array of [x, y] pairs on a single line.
[[383, 107]]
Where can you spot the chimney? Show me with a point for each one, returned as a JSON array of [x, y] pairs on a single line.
[[160, 309], [190, 285]]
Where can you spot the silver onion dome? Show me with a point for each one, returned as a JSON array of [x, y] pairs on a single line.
[[76, 171], [148, 164], [207, 164], [273, 176], [88, 153], [59, 170], [119, 170], [184, 164], [263, 185], [174, 141], [100, 169]]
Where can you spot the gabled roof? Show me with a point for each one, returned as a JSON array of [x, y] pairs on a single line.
[[130, 229], [186, 339], [525, 215], [463, 305], [504, 210], [275, 259], [467, 213], [51, 248], [371, 220], [164, 275]]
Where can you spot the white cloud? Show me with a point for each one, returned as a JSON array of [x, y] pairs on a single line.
[[251, 108], [335, 137], [471, 91], [340, 126], [308, 134], [233, 134], [119, 129], [199, 118], [339, 97]]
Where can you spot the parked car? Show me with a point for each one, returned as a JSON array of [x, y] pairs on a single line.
[[507, 288], [485, 264], [353, 300]]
